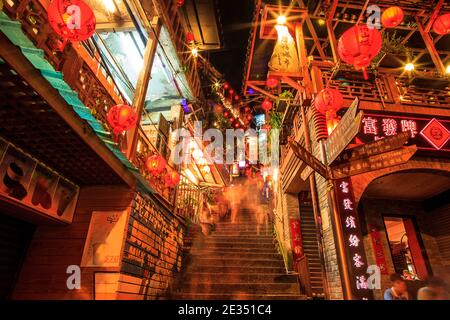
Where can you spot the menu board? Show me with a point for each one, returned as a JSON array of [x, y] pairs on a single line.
[[31, 183]]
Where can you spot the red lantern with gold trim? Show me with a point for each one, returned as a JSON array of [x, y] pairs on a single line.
[[442, 24], [359, 45], [172, 178], [155, 164], [73, 20], [392, 17], [328, 102], [121, 118], [267, 105]]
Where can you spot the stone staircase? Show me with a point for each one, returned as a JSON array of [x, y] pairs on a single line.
[[236, 261]]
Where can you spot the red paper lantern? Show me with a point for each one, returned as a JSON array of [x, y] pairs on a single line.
[[272, 83], [121, 118], [237, 125], [180, 3], [155, 164], [359, 45], [267, 104], [328, 102], [190, 38], [442, 24], [226, 114], [392, 17], [249, 117], [231, 120], [231, 92], [236, 97], [226, 86], [73, 20], [172, 178]]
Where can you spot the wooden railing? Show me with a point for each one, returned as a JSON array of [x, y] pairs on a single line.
[[188, 201]]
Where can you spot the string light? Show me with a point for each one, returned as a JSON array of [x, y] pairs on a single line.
[[409, 67]]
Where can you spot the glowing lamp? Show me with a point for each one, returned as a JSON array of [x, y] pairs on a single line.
[[121, 118], [359, 45], [409, 67], [272, 83], [180, 3], [442, 24], [172, 178], [328, 102], [155, 164], [392, 17], [281, 20], [226, 86], [73, 20], [447, 70], [267, 105]]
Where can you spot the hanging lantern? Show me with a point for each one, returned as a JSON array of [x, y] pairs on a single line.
[[231, 120], [249, 117], [392, 17], [267, 105], [236, 97], [226, 114], [190, 38], [180, 3], [121, 118], [155, 164], [359, 45], [442, 24], [328, 102], [172, 178], [285, 56], [73, 20], [237, 125], [226, 86], [272, 83], [231, 92]]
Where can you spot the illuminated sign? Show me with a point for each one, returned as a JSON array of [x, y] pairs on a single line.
[[353, 240], [428, 134]]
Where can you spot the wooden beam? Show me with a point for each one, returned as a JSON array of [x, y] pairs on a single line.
[[264, 92], [434, 15], [252, 48], [14, 57], [431, 48], [142, 86]]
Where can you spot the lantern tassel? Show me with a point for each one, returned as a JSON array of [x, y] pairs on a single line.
[[366, 76]]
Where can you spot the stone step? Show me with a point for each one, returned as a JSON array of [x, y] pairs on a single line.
[[237, 296], [234, 269], [249, 288], [242, 262], [239, 277], [255, 238], [268, 250], [236, 233], [234, 254], [211, 244]]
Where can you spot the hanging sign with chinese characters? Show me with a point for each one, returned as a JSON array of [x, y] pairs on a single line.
[[296, 235], [353, 240], [431, 135]]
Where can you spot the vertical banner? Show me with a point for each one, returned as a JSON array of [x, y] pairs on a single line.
[[353, 240], [380, 258], [296, 236]]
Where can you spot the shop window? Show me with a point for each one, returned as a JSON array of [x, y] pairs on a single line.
[[408, 253]]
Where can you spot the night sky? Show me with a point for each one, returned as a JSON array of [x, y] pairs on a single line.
[[236, 17]]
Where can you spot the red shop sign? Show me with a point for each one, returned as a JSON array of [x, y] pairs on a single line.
[[380, 258]]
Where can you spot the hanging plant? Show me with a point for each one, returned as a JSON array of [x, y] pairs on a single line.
[[286, 96], [276, 120], [392, 44]]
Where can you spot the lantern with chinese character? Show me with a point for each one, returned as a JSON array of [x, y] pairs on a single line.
[[442, 24], [155, 164], [121, 118], [359, 45], [267, 105], [172, 178], [272, 83], [392, 17], [328, 102], [73, 20]]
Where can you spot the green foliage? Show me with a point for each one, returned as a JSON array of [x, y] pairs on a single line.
[[276, 119], [392, 44]]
